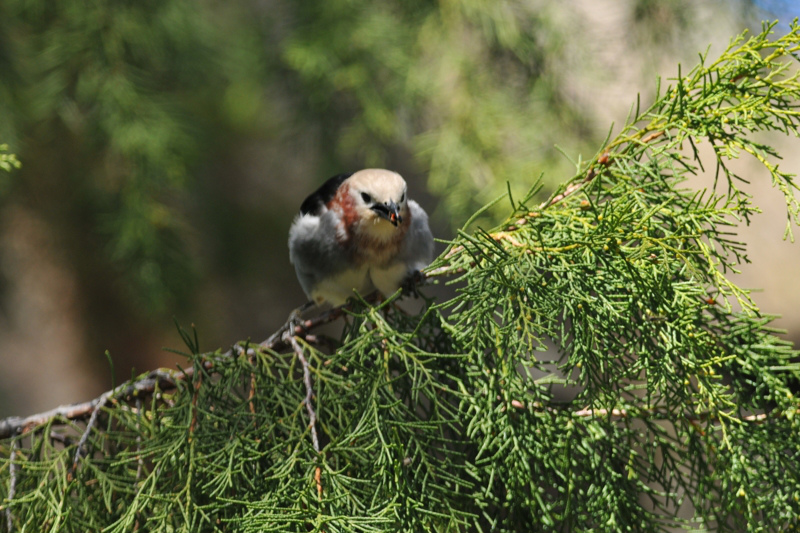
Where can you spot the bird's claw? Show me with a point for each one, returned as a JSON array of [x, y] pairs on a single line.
[[412, 281], [295, 323]]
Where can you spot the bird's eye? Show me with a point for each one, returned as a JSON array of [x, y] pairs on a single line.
[[366, 197]]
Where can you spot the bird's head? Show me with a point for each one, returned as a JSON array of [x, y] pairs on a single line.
[[379, 196]]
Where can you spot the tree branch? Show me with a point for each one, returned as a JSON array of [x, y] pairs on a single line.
[[162, 379]]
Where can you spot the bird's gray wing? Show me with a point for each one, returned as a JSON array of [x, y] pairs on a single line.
[[418, 248], [314, 250]]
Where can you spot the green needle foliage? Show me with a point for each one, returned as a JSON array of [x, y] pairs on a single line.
[[596, 370], [8, 162]]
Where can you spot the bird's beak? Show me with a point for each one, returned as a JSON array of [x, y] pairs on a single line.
[[390, 211]]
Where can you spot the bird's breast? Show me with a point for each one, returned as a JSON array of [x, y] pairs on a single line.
[[377, 248]]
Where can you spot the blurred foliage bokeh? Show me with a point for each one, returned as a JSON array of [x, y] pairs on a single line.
[[165, 146]]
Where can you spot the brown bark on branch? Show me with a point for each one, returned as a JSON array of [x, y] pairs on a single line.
[[162, 379]]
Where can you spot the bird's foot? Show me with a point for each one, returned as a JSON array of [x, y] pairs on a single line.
[[294, 324], [411, 282]]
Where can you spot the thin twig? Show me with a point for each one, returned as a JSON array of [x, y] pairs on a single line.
[[327, 317], [140, 462], [312, 415], [12, 487], [101, 401], [603, 161]]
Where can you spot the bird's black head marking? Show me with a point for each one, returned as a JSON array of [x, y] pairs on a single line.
[[317, 200]]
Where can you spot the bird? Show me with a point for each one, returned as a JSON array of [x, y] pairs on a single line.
[[361, 232]]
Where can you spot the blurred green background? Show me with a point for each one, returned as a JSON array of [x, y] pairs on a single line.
[[166, 146]]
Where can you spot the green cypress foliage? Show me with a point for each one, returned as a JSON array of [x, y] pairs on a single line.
[[8, 163], [596, 370]]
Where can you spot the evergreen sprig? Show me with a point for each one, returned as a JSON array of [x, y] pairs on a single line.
[[8, 161], [597, 370]]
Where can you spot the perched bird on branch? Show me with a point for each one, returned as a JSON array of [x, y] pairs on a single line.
[[359, 231]]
